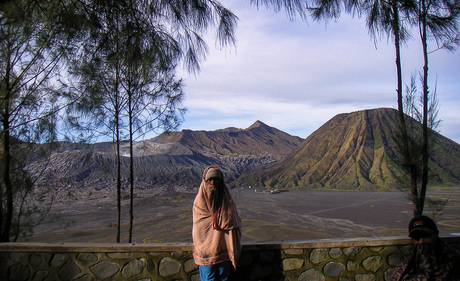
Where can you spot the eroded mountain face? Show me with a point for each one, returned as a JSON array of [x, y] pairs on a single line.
[[171, 160], [355, 151]]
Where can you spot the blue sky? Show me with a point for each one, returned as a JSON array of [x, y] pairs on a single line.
[[295, 76]]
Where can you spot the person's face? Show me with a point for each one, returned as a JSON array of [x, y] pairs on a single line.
[[421, 237], [213, 183]]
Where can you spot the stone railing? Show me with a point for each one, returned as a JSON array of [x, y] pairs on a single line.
[[346, 259]]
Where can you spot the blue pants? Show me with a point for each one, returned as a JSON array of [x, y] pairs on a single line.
[[216, 272]]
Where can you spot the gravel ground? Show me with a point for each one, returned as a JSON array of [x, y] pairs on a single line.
[[286, 216]]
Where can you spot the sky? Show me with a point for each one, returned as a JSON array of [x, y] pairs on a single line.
[[297, 75]]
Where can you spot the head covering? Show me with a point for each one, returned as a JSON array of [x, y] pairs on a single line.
[[216, 231], [213, 173], [422, 223]]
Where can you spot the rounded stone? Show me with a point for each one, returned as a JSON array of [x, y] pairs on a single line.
[[169, 267], [69, 270], [407, 249], [46, 258], [318, 256], [335, 253], [105, 269], [20, 272], [86, 257], [311, 275], [133, 268], [365, 277], [376, 249], [40, 275], [35, 260], [388, 273], [178, 254], [351, 266], [150, 266], [292, 264], [119, 256], [372, 263], [351, 251], [85, 278], [190, 265], [333, 268], [293, 251], [394, 259], [57, 259], [16, 256]]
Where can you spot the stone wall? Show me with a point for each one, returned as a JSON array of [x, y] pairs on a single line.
[[350, 259]]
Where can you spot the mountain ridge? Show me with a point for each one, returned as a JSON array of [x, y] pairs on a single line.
[[351, 151], [232, 140], [170, 160]]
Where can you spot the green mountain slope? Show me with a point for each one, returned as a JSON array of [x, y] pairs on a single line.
[[354, 151]]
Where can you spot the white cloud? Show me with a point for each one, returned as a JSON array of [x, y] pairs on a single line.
[[296, 75]]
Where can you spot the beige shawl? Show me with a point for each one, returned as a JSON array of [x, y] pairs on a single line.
[[216, 235]]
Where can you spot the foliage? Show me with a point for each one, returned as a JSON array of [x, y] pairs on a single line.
[[126, 69], [413, 106], [35, 40], [123, 58], [32, 202]]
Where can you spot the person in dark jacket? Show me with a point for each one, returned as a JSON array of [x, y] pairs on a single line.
[[432, 259]]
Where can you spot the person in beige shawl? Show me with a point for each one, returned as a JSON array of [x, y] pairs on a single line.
[[216, 230]]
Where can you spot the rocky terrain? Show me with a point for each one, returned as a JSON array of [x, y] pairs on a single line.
[[356, 151], [171, 161], [352, 151]]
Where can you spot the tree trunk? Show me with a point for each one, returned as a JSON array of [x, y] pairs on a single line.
[[118, 184], [7, 217], [407, 163], [117, 132], [425, 110], [131, 173]]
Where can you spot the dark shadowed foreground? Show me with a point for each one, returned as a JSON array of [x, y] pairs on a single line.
[[292, 215]]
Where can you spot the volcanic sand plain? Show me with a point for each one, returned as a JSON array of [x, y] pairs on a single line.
[[295, 215]]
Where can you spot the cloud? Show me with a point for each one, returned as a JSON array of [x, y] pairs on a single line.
[[297, 75]]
